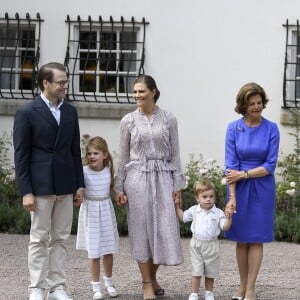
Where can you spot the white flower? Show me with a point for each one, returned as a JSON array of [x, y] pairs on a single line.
[[290, 192], [223, 181], [187, 178], [209, 160], [292, 184], [203, 171]]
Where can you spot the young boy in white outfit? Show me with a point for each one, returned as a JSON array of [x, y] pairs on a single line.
[[207, 223]]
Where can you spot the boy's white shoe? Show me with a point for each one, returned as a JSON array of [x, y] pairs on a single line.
[[209, 295], [58, 294], [36, 294], [110, 287], [193, 296]]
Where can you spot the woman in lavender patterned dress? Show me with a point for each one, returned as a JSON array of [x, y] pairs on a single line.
[[148, 182]]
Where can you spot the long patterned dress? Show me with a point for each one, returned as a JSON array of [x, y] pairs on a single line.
[[248, 148], [149, 171]]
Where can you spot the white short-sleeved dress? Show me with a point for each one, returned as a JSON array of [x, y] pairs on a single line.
[[97, 230]]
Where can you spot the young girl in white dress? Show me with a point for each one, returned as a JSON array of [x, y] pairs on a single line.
[[97, 231]]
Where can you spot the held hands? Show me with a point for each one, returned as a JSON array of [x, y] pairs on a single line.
[[121, 199], [29, 202], [177, 198], [230, 208], [78, 197]]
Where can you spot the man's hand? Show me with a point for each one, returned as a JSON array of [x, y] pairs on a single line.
[[29, 202], [78, 197]]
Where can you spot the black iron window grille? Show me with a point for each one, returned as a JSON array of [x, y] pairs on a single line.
[[19, 56], [103, 58], [291, 78]]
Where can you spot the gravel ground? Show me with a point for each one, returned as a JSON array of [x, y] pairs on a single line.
[[279, 277]]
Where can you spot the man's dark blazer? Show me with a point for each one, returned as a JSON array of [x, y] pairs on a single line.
[[47, 156]]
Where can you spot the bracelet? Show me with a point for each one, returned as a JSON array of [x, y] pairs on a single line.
[[231, 195], [246, 174]]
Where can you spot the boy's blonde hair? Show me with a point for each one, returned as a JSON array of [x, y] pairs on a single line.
[[203, 186], [100, 144]]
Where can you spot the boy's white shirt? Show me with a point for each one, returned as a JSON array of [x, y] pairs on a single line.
[[205, 224]]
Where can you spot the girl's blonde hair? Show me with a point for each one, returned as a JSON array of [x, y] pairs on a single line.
[[100, 144], [203, 186]]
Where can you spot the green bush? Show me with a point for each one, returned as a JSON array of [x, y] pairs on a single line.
[[287, 225], [8, 187], [14, 219], [198, 169]]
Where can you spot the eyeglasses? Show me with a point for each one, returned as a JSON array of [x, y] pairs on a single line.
[[61, 83]]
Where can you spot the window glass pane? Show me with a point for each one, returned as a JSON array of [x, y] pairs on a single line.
[[108, 84], [7, 81], [87, 83], [28, 38], [88, 40], [7, 59], [108, 40], [126, 84], [128, 62], [27, 66], [128, 40], [7, 37], [88, 64], [108, 61], [88, 61]]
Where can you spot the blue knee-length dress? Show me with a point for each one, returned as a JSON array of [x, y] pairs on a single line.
[[247, 148]]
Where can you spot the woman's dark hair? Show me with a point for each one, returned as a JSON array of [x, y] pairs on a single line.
[[46, 72], [246, 91], [150, 84]]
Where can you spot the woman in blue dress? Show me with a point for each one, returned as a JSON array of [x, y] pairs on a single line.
[[251, 152]]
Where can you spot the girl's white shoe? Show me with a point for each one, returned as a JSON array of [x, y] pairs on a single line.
[[110, 287], [97, 296], [97, 291]]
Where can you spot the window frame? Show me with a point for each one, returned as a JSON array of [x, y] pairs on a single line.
[[20, 56], [291, 77], [74, 50]]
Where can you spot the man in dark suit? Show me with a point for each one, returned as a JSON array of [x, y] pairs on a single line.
[[49, 172]]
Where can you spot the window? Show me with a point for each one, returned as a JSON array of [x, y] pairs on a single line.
[[291, 82], [19, 56], [103, 58]]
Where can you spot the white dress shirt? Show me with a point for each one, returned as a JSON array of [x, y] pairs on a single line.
[[206, 224]]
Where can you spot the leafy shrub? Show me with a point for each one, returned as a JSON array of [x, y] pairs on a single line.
[[198, 169], [14, 219], [287, 189], [8, 187], [121, 217]]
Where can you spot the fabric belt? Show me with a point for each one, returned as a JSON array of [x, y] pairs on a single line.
[[96, 198]]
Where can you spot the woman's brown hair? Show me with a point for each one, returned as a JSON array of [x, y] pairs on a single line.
[[244, 94]]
